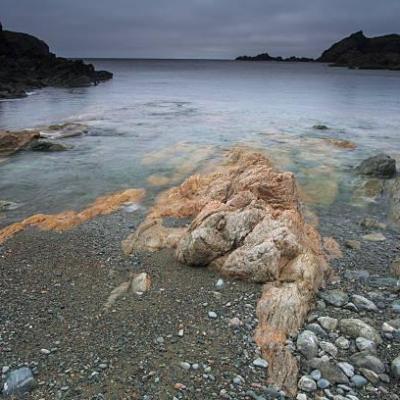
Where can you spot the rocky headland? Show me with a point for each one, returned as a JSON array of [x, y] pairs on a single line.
[[26, 63], [354, 51]]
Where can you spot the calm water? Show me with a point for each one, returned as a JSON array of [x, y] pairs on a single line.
[[158, 121]]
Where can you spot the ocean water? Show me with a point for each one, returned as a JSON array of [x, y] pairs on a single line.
[[159, 121]]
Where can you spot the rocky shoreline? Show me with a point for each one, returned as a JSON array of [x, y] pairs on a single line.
[[27, 64], [188, 333]]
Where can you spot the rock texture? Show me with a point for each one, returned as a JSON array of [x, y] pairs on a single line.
[[26, 63], [247, 223], [358, 51], [379, 166], [11, 142], [69, 219]]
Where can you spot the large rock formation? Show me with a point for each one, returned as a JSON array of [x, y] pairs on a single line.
[[247, 223], [358, 51], [26, 62]]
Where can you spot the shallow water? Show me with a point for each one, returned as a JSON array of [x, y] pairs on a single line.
[[159, 121]]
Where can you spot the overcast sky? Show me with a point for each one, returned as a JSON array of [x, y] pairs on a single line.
[[196, 28]]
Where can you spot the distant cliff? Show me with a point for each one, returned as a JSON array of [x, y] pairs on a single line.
[[355, 51], [26, 63], [358, 51], [267, 57]]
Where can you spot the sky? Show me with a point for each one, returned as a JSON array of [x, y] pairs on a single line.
[[215, 29]]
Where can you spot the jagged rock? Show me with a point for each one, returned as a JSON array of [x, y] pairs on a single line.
[[363, 303], [307, 344], [358, 51], [19, 382], [11, 142], [356, 328], [364, 359], [27, 63], [8, 205], [334, 297], [380, 166], [66, 130], [247, 224]]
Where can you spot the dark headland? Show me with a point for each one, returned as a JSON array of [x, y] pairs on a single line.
[[354, 51], [27, 63]]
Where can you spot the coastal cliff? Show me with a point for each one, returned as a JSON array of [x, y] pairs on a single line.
[[26, 63], [358, 51], [354, 51]]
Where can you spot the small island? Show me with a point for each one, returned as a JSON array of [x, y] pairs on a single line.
[[354, 51], [27, 63]]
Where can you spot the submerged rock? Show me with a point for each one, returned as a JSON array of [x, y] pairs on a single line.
[[394, 202], [380, 166], [45, 146]]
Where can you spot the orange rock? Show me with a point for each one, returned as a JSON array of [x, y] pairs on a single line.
[[341, 143], [11, 142], [332, 248], [247, 223], [69, 219]]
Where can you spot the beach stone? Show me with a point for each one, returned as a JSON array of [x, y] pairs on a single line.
[[301, 396], [307, 384], [328, 323], [382, 281], [357, 275], [316, 328], [396, 306], [364, 359], [329, 348], [220, 284], [372, 223], [358, 381], [347, 368], [331, 372], [260, 362], [353, 244], [19, 382], [307, 344], [379, 166], [374, 237], [235, 322], [315, 374], [184, 365], [342, 343], [363, 303], [395, 368], [365, 344], [323, 383], [212, 315], [238, 380], [335, 297], [357, 328], [370, 375]]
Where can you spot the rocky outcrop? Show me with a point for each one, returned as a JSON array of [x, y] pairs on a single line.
[[247, 223], [267, 57], [358, 51], [27, 63], [12, 142]]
